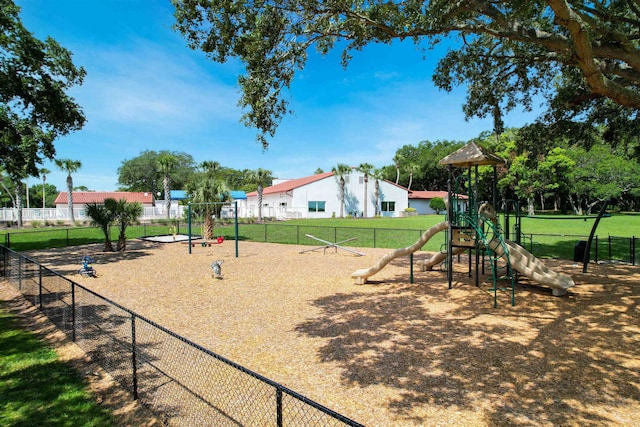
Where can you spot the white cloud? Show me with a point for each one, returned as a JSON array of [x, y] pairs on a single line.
[[147, 84]]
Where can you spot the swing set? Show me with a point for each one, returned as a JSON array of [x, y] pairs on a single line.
[[218, 239]]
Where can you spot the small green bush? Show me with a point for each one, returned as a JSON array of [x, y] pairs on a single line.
[[437, 204]]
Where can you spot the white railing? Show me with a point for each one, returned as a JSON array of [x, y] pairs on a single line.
[[79, 214]]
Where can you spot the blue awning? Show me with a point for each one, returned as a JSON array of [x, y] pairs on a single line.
[[238, 195]]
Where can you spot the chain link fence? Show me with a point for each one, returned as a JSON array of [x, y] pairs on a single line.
[[185, 384]]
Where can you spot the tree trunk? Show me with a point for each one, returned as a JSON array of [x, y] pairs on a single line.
[[576, 206], [342, 197], [377, 196], [167, 195], [364, 210], [108, 246], [542, 202], [70, 197], [260, 203], [207, 226], [122, 240], [19, 202], [530, 208]]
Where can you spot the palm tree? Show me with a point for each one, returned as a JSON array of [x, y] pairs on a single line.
[[102, 216], [341, 170], [377, 174], [166, 164], [125, 214], [412, 168], [260, 177], [397, 162], [69, 166], [19, 198], [43, 174], [207, 188], [366, 169]]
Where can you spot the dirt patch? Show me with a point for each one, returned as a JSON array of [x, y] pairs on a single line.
[[392, 352]]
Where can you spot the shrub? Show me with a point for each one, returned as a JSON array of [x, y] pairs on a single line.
[[437, 204]]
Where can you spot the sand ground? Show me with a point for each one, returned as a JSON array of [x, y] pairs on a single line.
[[390, 352]]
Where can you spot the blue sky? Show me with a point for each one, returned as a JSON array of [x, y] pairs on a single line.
[[146, 90]]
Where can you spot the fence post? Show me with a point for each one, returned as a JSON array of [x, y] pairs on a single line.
[[609, 251], [279, 407], [374, 237], [633, 250], [596, 257], [40, 286], [73, 311], [20, 273], [133, 358], [67, 236]]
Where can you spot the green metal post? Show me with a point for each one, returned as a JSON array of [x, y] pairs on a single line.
[[189, 224], [411, 268], [235, 202]]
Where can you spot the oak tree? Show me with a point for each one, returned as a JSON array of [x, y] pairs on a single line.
[[582, 55]]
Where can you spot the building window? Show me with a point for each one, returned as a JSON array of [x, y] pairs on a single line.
[[316, 206], [283, 204], [361, 180], [388, 206]]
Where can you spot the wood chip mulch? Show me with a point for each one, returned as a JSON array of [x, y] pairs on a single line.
[[390, 352]]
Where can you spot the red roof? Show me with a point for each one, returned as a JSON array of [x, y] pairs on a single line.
[[84, 197], [291, 184], [431, 194]]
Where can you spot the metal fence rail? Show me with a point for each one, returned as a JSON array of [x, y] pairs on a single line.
[[610, 248], [181, 381]]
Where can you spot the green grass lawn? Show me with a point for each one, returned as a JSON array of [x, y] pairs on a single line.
[[544, 236], [616, 225], [38, 389]]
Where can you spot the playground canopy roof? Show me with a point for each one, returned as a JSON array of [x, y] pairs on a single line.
[[471, 155]]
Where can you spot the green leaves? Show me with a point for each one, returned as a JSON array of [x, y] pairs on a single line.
[[35, 108], [508, 53]]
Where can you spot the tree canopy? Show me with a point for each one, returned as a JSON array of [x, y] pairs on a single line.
[[141, 173], [582, 55], [35, 107]]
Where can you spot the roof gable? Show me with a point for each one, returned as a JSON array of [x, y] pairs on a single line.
[[84, 197], [427, 194], [283, 187]]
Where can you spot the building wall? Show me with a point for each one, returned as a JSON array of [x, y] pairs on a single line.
[[328, 191], [421, 206]]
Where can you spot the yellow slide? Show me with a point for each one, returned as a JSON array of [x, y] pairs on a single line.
[[527, 264], [362, 274]]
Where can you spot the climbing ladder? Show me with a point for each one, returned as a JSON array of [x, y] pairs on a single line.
[[488, 237]]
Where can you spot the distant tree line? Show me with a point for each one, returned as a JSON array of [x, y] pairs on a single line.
[[562, 175]]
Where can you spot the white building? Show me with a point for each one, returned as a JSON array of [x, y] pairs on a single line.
[[318, 196]]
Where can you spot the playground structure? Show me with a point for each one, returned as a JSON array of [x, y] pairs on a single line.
[[335, 245], [87, 269], [475, 228], [218, 206]]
